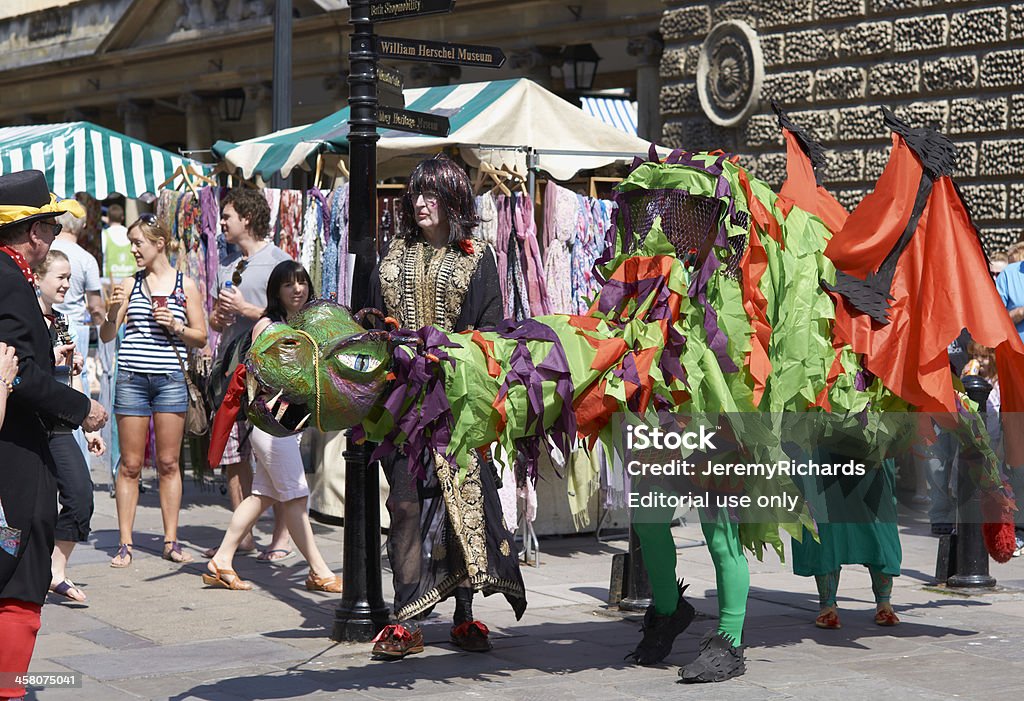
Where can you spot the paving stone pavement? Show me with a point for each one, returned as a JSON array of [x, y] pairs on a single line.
[[152, 631]]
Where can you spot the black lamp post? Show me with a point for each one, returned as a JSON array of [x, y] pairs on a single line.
[[362, 612], [579, 67]]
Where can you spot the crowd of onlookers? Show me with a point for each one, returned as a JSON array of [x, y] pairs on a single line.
[[49, 423]]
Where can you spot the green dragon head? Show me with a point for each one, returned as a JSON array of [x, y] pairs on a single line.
[[321, 369]]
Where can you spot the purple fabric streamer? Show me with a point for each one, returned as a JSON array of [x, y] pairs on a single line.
[[418, 403], [862, 380], [523, 371]]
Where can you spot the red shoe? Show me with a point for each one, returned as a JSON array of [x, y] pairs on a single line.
[[471, 636], [886, 617], [396, 642], [828, 620]]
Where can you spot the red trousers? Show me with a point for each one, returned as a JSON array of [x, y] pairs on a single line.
[[19, 623]]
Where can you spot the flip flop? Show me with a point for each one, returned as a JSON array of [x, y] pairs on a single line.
[[265, 555], [210, 552], [118, 561], [174, 553], [65, 588]]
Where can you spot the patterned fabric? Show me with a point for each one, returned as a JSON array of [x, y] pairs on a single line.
[[560, 207], [273, 196], [425, 286], [290, 223], [488, 227], [10, 537], [533, 266]]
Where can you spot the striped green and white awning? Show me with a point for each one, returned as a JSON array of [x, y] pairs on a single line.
[[84, 157], [485, 118], [298, 147]]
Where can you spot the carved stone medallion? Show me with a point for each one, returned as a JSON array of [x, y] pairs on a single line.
[[730, 72]]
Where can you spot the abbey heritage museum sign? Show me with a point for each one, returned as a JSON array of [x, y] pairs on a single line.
[[416, 122]]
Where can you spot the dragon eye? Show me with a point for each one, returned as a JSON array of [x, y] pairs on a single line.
[[360, 362]]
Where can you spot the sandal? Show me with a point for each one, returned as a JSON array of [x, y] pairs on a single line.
[[471, 636], [331, 585], [220, 579], [395, 642], [268, 555], [66, 588], [828, 620], [174, 553], [886, 617], [123, 551]]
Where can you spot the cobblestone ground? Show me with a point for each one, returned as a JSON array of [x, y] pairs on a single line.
[[152, 631]]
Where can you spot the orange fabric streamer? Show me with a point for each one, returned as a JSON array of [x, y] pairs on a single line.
[[802, 189], [753, 265]]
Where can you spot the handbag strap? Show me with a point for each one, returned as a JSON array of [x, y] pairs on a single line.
[[184, 371]]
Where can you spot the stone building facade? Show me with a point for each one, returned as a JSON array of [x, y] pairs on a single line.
[[158, 69], [954, 65]]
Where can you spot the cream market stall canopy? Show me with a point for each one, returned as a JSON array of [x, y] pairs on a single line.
[[502, 122], [84, 157]]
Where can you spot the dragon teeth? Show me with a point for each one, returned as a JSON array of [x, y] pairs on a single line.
[[282, 407], [272, 402], [303, 422]]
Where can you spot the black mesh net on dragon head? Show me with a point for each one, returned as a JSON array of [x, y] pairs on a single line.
[[686, 219]]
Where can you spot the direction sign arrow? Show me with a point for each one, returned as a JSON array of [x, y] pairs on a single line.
[[415, 122], [387, 10], [389, 87], [440, 52]]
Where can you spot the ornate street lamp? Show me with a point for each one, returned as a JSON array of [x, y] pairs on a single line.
[[579, 67], [232, 103]]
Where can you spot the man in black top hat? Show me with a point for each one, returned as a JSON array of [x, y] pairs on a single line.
[[37, 404]]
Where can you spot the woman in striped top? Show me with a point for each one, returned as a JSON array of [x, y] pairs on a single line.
[[163, 317]]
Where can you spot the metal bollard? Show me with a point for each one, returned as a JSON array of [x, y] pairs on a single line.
[[971, 555]]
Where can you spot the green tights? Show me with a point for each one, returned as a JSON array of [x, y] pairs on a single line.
[[731, 572], [828, 586]]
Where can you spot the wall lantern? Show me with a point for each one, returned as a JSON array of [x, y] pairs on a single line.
[[579, 67], [232, 102]]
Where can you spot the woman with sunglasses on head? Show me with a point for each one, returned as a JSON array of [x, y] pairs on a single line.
[[280, 477], [163, 317], [445, 529], [74, 483]]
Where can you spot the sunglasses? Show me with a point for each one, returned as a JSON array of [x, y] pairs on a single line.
[[146, 218], [57, 227], [236, 276]]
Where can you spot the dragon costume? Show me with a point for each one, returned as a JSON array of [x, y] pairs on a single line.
[[721, 297]]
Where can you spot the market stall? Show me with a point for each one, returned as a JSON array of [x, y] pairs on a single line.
[[500, 122]]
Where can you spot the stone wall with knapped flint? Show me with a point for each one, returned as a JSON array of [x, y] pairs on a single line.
[[954, 65]]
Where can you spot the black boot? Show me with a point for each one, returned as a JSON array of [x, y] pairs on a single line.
[[718, 660], [661, 631]]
